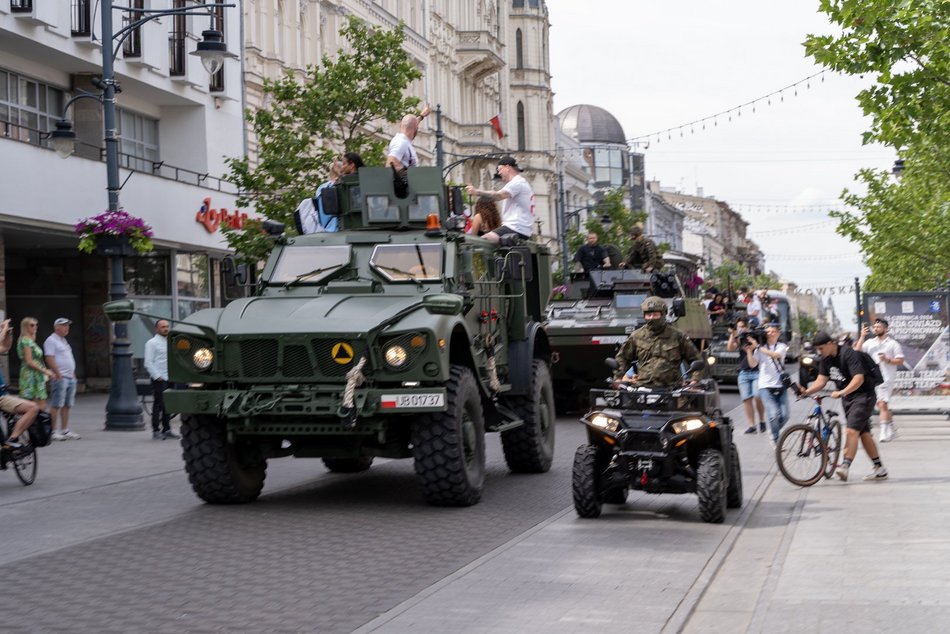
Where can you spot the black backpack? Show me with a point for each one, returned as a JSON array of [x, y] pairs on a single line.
[[41, 431], [872, 371]]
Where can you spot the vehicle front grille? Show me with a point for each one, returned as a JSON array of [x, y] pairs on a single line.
[[642, 441], [291, 358]]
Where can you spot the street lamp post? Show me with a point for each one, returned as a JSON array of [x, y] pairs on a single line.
[[122, 409]]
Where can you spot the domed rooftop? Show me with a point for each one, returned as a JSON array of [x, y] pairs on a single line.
[[590, 124]]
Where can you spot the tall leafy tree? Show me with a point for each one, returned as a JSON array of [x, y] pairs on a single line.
[[611, 220], [337, 106], [902, 226]]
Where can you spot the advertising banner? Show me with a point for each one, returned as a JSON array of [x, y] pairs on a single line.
[[919, 323]]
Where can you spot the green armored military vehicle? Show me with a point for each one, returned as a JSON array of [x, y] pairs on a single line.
[[398, 337], [594, 317]]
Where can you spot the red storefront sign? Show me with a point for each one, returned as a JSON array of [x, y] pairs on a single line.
[[211, 219]]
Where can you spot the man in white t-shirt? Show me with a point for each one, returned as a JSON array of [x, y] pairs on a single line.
[[769, 358], [889, 356], [517, 213], [401, 153], [59, 358], [754, 310]]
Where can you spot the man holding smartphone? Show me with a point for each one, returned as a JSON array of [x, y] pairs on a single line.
[[889, 356]]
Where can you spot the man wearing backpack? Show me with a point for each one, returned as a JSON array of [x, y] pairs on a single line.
[[889, 356], [846, 368]]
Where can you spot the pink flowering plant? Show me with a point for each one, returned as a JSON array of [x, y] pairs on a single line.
[[114, 224]]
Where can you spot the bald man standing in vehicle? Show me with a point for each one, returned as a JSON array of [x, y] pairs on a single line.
[[401, 154]]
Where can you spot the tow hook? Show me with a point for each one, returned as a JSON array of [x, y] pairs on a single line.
[[643, 478]]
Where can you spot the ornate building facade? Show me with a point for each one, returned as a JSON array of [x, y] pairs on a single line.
[[479, 59]]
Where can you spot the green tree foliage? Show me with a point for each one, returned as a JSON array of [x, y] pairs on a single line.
[[732, 275], [338, 106], [611, 220], [807, 325], [901, 227]]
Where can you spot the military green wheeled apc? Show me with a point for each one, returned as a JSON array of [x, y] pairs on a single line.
[[596, 315], [399, 336]]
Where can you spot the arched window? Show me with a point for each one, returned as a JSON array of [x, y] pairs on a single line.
[[522, 142], [519, 49]]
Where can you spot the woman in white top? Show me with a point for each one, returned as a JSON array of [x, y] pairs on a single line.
[[770, 359]]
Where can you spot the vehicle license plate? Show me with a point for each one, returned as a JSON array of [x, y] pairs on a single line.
[[412, 401], [608, 340], [645, 464]]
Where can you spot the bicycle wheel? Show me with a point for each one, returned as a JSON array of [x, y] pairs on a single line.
[[800, 455], [832, 435], [24, 460]]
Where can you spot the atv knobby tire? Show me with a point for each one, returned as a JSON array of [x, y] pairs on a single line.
[[734, 490], [348, 465], [448, 447], [584, 482], [711, 486], [220, 472], [530, 448]]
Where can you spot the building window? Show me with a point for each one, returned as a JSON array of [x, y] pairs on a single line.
[[21, 6], [28, 108], [217, 80], [522, 141], [176, 42], [519, 50], [138, 141], [192, 278], [517, 4], [79, 17], [132, 46], [608, 167]]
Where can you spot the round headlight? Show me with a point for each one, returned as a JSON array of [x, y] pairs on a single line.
[[202, 358], [396, 355]]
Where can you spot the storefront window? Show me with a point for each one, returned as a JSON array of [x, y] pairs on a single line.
[[192, 275], [149, 275], [141, 329]]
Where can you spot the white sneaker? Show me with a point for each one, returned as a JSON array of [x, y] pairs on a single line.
[[883, 436], [58, 436], [891, 432], [71, 435], [879, 473], [842, 472]]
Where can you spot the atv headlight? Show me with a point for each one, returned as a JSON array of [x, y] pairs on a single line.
[[202, 358], [396, 355], [605, 422], [690, 424], [807, 360]]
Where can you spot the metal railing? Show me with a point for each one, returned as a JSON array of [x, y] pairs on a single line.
[[144, 165], [132, 47], [176, 44]]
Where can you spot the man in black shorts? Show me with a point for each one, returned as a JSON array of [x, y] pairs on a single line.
[[843, 365]]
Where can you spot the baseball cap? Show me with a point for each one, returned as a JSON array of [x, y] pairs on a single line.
[[62, 321], [821, 339], [510, 162], [881, 320]]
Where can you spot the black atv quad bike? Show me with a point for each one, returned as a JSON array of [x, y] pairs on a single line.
[[658, 441]]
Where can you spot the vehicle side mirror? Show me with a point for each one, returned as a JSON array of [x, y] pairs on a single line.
[[119, 310], [611, 363], [273, 228], [330, 200], [443, 304], [679, 307], [234, 274], [697, 366], [456, 202]]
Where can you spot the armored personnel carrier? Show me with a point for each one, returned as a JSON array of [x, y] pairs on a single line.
[[594, 317], [398, 336]]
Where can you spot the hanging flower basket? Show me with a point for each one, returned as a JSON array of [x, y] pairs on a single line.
[[114, 233]]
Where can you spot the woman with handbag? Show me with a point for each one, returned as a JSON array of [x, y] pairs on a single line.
[[773, 379]]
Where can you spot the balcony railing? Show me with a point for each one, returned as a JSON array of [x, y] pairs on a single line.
[[132, 47], [160, 169], [176, 46]]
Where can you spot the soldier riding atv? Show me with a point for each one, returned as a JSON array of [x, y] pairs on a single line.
[[650, 432]]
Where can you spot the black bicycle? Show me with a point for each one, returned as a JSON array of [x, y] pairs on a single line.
[[23, 458], [809, 450]]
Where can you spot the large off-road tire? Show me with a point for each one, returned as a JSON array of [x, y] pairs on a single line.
[[449, 447], [220, 472], [348, 465], [585, 484], [711, 486], [734, 490], [530, 448]]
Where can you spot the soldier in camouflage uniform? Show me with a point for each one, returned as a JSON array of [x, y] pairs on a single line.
[[658, 347], [643, 254]]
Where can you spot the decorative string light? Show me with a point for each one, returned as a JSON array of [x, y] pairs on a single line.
[[737, 109], [784, 209], [808, 227]]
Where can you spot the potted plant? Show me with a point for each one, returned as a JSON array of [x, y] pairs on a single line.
[[114, 233]]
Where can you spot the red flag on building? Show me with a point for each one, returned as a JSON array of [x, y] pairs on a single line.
[[496, 125]]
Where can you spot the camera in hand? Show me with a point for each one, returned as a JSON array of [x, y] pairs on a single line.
[[754, 336]]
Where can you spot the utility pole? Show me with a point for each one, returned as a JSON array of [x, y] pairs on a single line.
[[561, 217]]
